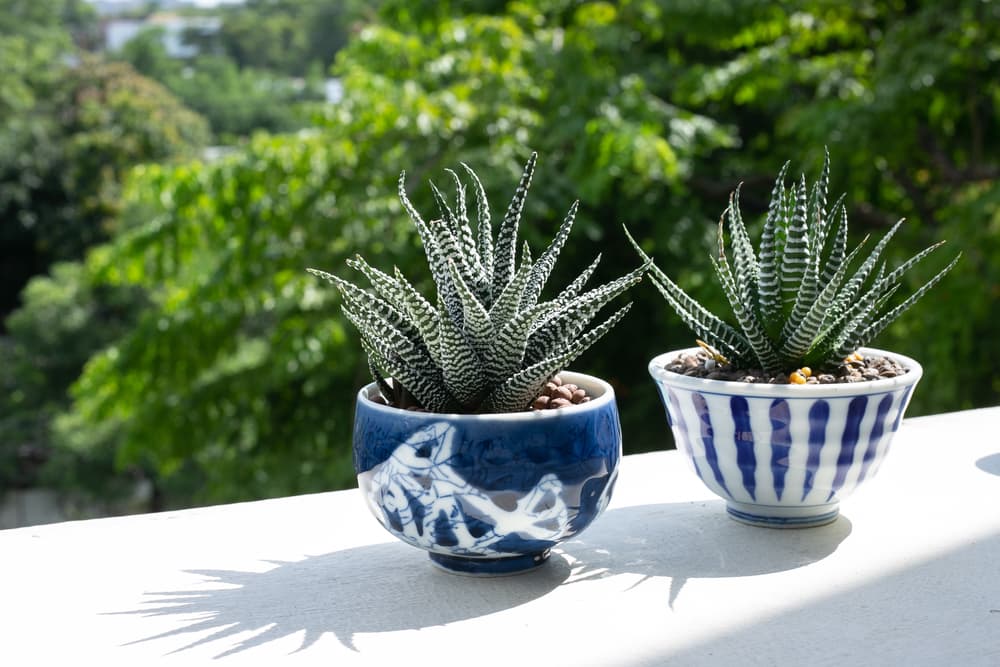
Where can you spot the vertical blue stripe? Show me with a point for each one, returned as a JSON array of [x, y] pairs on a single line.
[[681, 432], [819, 415], [682, 442], [902, 407], [746, 459], [781, 442], [708, 437], [849, 441], [877, 429]]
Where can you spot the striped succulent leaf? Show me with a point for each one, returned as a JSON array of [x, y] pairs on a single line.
[[490, 343], [801, 299]]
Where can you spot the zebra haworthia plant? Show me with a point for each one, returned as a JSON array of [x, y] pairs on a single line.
[[489, 343], [801, 299]]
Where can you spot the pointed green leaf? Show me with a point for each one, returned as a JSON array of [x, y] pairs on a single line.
[[518, 392], [484, 231], [475, 320], [543, 267], [771, 253], [578, 283], [506, 245]]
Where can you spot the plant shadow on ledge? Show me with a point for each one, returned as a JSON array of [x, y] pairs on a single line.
[[448, 454], [785, 413], [233, 611]]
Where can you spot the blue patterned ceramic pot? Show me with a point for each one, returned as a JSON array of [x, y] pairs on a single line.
[[488, 494], [784, 455]]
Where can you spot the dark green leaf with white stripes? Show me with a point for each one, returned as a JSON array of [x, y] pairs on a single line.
[[800, 299], [471, 352]]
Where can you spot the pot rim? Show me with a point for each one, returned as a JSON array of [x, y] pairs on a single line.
[[913, 374], [600, 391]]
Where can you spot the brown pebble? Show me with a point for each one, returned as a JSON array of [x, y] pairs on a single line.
[[540, 403], [572, 387], [550, 388], [563, 392], [585, 399], [578, 395], [560, 403], [557, 381]]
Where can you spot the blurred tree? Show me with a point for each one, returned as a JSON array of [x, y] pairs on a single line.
[[289, 36], [237, 381], [147, 54], [64, 321], [238, 378], [72, 125], [907, 98], [237, 102], [244, 349]]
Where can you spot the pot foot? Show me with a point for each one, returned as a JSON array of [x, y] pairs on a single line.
[[488, 567], [770, 516]]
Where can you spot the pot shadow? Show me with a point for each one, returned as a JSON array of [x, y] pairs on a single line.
[[390, 587], [990, 464], [377, 588], [693, 541]]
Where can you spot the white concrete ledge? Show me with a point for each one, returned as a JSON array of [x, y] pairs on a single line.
[[910, 574]]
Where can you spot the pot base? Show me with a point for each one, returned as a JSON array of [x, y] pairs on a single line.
[[773, 516], [488, 567]]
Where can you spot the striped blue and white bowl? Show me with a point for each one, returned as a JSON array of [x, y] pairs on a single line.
[[784, 455]]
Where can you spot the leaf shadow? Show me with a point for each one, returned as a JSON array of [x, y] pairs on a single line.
[[391, 587], [695, 540], [377, 588]]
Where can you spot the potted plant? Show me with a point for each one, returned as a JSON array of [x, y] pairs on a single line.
[[787, 412], [472, 442]]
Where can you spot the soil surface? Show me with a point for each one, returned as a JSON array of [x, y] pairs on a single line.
[[857, 369], [555, 394]]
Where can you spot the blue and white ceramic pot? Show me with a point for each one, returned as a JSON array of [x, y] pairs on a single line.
[[784, 455], [488, 494]]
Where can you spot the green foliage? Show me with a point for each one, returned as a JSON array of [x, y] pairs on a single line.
[[649, 111], [287, 36], [234, 383], [235, 101], [796, 299], [907, 94], [70, 132], [491, 344], [64, 320], [237, 345]]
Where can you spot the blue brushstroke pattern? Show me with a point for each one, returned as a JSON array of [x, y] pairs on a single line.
[[681, 431], [873, 440], [746, 459], [781, 441], [902, 407], [849, 441], [708, 438], [819, 416]]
